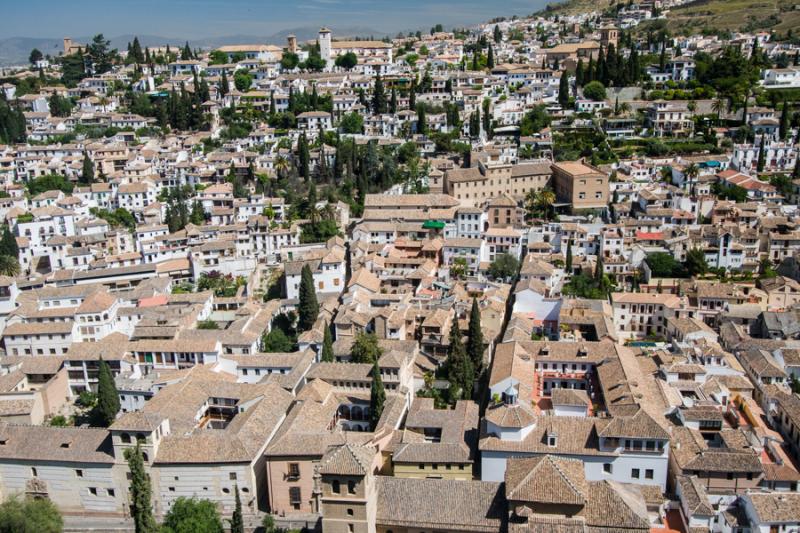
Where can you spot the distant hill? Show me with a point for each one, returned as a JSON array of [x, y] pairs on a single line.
[[15, 50]]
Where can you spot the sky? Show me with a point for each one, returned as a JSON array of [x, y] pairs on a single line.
[[194, 19]]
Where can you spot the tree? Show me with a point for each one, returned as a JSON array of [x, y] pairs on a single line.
[[224, 84], [237, 521], [352, 123], [192, 515], [568, 265], [393, 101], [141, 492], [347, 61], [498, 35], [308, 308], [695, 262], [762, 155], [377, 396], [663, 265], [579, 73], [8, 243], [378, 96], [35, 57], [327, 346], [460, 370], [365, 349], [136, 54], [87, 172], [100, 57], [422, 125], [107, 406], [303, 156], [785, 122], [504, 266], [490, 58], [535, 120], [563, 90], [276, 341], [475, 336], [9, 266], [289, 61], [594, 90], [29, 515], [242, 80]]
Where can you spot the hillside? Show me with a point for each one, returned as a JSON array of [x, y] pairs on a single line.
[[708, 15]]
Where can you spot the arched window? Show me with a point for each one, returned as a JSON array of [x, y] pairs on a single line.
[[351, 487], [140, 437], [126, 439], [144, 456], [335, 486]]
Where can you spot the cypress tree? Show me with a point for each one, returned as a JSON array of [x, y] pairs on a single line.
[[303, 156], [796, 171], [377, 396], [393, 102], [579, 73], [308, 308], [8, 243], [599, 271], [490, 58], [237, 522], [460, 371], [141, 510], [784, 125], [378, 96], [223, 84], [327, 346], [762, 156], [87, 173], [422, 125], [107, 406], [563, 90], [475, 335], [568, 265]]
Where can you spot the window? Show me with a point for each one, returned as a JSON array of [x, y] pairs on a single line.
[[349, 512], [171, 489], [294, 497], [79, 472], [607, 468], [335, 486], [648, 474], [110, 492], [294, 471], [232, 476], [635, 473], [93, 491], [351, 487], [125, 438], [34, 473]]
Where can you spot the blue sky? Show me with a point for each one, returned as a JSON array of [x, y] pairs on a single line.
[[211, 18]]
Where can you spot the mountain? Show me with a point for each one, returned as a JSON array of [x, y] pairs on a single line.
[[15, 50]]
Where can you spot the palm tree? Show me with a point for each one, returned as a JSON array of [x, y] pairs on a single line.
[[9, 266], [544, 202], [717, 106], [282, 166], [666, 173]]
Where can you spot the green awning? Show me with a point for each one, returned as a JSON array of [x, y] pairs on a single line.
[[433, 224]]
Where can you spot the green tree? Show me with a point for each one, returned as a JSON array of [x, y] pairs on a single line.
[[490, 58], [9, 266], [87, 172], [695, 263], [352, 123], [107, 406], [347, 61], [8, 243], [594, 91], [535, 120], [140, 492], [327, 346], [308, 308], [192, 515], [242, 80], [475, 336], [422, 123], [460, 370], [568, 264], [276, 341], [365, 348], [377, 396], [289, 61], [35, 56], [29, 515], [504, 266], [663, 265], [563, 90], [237, 521], [785, 121], [100, 56], [379, 104]]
